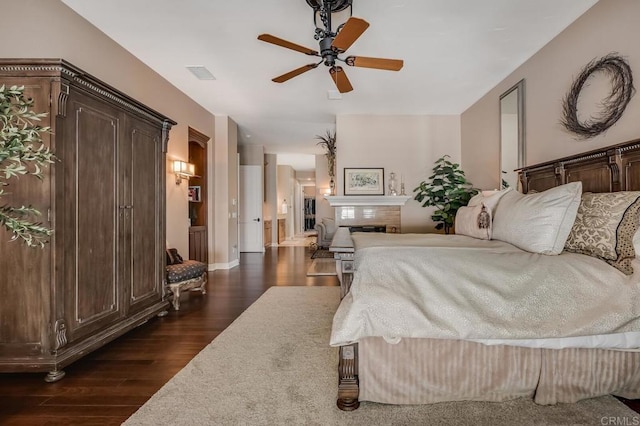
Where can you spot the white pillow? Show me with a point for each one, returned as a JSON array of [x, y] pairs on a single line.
[[489, 198], [467, 222], [540, 222]]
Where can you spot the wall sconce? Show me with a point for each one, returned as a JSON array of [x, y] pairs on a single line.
[[183, 170], [325, 191], [284, 208]]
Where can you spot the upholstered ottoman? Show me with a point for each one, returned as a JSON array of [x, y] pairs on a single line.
[[188, 275]]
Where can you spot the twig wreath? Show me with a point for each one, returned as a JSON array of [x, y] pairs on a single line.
[[612, 106]]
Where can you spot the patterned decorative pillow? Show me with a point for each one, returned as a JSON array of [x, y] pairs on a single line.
[[605, 226], [474, 221], [173, 257]]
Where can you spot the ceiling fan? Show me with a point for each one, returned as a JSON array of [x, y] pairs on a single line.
[[333, 44]]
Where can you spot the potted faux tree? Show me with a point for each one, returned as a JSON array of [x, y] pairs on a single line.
[[22, 152], [447, 190]]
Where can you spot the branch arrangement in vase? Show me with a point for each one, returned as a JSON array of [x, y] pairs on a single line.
[[328, 142], [22, 152]]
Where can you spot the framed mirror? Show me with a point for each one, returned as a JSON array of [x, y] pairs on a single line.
[[512, 143]]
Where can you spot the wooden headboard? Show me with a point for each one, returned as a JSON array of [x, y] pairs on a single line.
[[610, 169]]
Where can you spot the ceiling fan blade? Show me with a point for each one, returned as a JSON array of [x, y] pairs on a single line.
[[288, 76], [353, 28], [377, 63], [339, 77], [284, 43]]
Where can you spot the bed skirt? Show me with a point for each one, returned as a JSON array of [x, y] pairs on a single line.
[[421, 371]]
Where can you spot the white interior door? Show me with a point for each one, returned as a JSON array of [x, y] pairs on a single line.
[[251, 228]]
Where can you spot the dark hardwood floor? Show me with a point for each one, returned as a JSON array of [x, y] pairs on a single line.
[[109, 385]]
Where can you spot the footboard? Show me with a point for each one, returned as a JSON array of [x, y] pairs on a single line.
[[348, 385]]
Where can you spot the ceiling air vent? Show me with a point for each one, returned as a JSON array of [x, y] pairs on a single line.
[[201, 72], [334, 95]]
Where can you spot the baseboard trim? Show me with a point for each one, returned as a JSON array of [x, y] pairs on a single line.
[[230, 265]]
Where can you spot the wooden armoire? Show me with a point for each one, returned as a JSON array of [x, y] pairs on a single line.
[[102, 272]]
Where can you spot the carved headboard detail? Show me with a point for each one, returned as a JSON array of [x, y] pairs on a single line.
[[610, 169]]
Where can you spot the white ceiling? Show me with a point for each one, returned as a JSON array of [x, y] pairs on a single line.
[[454, 52]]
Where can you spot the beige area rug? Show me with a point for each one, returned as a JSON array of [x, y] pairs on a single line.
[[322, 253], [302, 240], [322, 267], [273, 366]]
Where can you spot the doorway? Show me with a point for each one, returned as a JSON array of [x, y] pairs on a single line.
[[251, 228], [198, 206]]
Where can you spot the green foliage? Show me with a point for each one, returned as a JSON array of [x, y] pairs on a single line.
[[22, 152], [448, 189], [504, 184]]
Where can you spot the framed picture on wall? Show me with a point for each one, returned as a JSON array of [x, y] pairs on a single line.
[[194, 194], [364, 181]]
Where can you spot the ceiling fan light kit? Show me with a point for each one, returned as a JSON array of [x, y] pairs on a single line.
[[332, 44]]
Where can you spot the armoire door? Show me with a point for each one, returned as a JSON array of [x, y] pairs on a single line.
[[25, 272], [143, 250], [87, 217]]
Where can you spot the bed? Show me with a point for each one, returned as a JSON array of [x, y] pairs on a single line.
[[411, 332]]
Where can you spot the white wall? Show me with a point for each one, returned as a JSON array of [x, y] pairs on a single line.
[[405, 144], [286, 191], [270, 208], [225, 247], [609, 26], [323, 209]]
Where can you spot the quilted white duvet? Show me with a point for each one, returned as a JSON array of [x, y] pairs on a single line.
[[456, 287]]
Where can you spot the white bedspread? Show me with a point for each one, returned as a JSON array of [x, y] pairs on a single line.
[[456, 287]]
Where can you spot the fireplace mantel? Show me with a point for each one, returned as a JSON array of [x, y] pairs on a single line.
[[367, 200]]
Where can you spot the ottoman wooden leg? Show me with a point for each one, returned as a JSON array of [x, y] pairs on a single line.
[[175, 301]]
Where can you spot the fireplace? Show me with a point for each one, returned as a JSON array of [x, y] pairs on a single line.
[[368, 228], [368, 213]]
